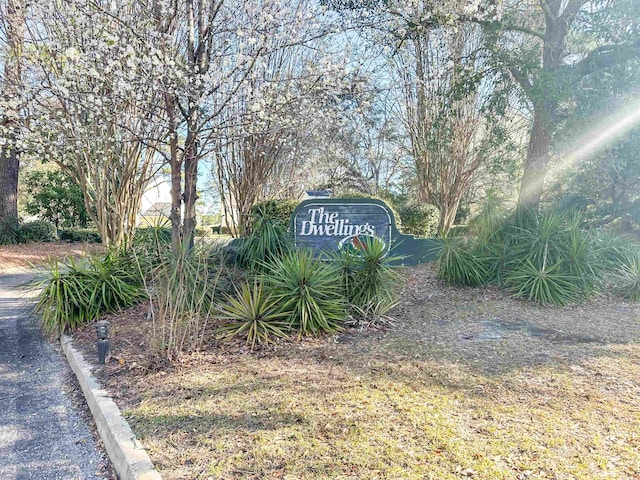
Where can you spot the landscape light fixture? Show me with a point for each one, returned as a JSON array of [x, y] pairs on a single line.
[[103, 343]]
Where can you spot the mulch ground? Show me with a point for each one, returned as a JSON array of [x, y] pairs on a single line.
[[17, 257]]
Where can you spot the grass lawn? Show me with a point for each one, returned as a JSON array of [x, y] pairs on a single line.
[[468, 384], [304, 416]]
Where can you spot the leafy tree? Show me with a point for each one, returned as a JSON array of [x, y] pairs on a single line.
[[549, 47], [606, 182], [53, 196]]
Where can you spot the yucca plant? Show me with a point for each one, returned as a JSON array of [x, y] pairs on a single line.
[[368, 276], [253, 314], [374, 314], [459, 264], [309, 289], [542, 284], [65, 298], [10, 233], [268, 240], [72, 293], [627, 278], [151, 245]]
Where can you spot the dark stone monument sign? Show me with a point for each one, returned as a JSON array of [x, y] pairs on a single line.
[[326, 225]]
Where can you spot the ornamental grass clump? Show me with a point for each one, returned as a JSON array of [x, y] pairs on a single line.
[[182, 289]]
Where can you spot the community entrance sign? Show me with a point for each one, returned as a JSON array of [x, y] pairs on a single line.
[[327, 225]]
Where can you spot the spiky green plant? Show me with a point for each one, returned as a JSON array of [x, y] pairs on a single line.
[[309, 289], [542, 284], [253, 314], [459, 264], [627, 278], [10, 231], [72, 293], [268, 240], [368, 276]]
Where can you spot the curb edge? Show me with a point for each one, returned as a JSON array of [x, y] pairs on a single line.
[[129, 458]]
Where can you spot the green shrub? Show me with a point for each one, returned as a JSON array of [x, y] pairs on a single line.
[[87, 235], [367, 275], [277, 210], [309, 289], [547, 257], [74, 293], [267, 241], [543, 284], [370, 283], [420, 219], [627, 277], [38, 231], [459, 264], [253, 315], [10, 233]]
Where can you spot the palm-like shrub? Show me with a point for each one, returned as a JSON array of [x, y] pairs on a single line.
[[267, 241], [628, 277], [253, 314], [309, 289], [72, 293], [543, 284], [10, 233], [460, 264], [367, 274], [546, 257]]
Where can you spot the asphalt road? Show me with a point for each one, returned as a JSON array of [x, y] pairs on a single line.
[[45, 430]]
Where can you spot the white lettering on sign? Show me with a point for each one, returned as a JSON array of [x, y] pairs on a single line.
[[330, 224]]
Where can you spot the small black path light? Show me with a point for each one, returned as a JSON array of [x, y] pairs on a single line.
[[104, 345]]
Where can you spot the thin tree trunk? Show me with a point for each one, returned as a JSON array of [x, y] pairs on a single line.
[[190, 184]]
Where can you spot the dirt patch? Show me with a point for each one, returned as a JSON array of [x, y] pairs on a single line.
[[468, 384], [485, 329], [13, 257]]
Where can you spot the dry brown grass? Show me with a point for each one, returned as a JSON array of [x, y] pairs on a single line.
[[469, 384], [455, 391], [16, 257], [326, 412]]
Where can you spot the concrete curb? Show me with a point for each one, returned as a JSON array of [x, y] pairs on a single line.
[[129, 459]]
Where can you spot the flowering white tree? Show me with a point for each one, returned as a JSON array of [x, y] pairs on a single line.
[[276, 119], [210, 49], [94, 108]]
